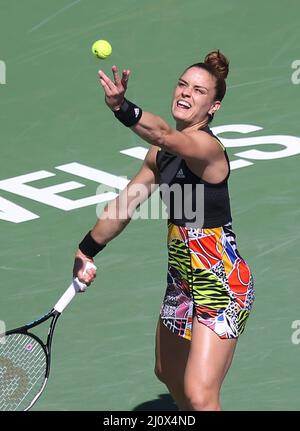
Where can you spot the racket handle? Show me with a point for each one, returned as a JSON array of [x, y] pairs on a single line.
[[75, 287]]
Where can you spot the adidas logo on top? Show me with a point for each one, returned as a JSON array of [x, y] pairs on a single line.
[[180, 174]]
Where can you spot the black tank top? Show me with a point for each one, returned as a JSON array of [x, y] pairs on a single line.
[[191, 201]]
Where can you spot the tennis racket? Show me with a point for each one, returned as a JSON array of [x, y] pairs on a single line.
[[24, 358]]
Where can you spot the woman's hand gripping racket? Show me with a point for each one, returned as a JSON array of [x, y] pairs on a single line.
[[25, 359]]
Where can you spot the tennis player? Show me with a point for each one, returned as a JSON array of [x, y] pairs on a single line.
[[210, 289]]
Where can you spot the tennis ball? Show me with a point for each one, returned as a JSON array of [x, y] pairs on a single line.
[[102, 49]]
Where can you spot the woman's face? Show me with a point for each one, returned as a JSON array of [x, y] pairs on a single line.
[[194, 97]]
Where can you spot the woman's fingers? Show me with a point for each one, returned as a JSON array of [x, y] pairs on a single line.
[[117, 78], [118, 84], [125, 77], [80, 262], [105, 86], [106, 80], [114, 91]]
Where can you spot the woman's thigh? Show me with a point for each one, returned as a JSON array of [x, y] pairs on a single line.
[[171, 353], [208, 362]]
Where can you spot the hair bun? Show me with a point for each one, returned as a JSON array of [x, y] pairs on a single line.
[[217, 61]]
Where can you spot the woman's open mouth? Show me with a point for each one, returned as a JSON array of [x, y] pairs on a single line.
[[182, 104]]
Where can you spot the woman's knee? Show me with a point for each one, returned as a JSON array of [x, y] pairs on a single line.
[[203, 399]]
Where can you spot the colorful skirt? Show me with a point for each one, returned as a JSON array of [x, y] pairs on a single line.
[[207, 278]]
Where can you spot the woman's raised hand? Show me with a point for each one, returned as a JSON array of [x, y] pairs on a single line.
[[114, 90]]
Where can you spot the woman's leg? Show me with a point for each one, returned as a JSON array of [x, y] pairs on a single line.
[[208, 362], [172, 353]]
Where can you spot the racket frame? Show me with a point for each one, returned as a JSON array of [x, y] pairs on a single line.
[[75, 287], [45, 346]]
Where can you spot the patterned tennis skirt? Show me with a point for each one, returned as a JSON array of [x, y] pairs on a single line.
[[207, 278]]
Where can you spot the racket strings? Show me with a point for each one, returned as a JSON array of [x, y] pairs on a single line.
[[23, 366]]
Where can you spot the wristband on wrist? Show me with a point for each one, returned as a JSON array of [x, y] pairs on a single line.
[[129, 114], [89, 246]]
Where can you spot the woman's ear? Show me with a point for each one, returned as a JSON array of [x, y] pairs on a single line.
[[215, 107]]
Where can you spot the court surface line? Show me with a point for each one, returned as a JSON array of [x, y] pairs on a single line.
[[46, 20], [261, 81], [283, 244]]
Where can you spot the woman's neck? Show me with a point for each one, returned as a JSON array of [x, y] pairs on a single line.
[[191, 127]]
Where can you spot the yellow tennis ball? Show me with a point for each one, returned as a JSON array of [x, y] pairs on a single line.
[[102, 49]]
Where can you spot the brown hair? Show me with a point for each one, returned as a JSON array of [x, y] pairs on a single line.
[[217, 65]]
